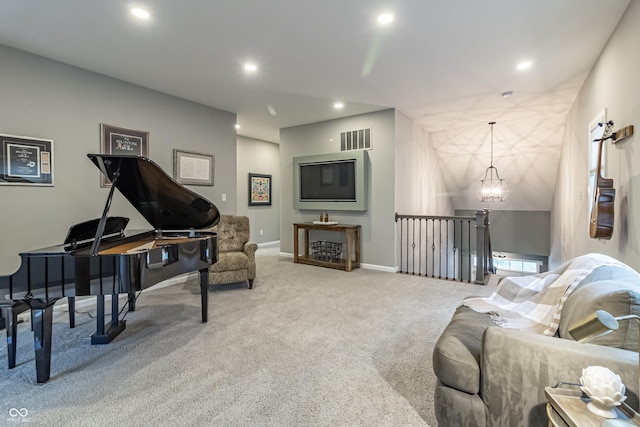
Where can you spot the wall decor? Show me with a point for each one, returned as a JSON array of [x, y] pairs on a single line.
[[26, 161], [193, 168], [259, 190], [117, 140]]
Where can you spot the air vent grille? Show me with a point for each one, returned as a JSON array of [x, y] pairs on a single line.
[[355, 140]]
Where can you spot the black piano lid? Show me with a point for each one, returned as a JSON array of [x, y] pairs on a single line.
[[164, 203]]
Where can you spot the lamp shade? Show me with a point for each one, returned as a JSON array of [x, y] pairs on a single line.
[[596, 325]]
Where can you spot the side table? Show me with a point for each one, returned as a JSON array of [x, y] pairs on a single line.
[[567, 407], [352, 244]]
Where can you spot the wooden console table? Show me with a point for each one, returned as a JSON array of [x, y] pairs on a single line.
[[352, 243]]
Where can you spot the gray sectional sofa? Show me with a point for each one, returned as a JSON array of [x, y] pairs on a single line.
[[494, 376]]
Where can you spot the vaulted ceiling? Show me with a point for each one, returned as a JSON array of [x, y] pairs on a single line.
[[442, 63]]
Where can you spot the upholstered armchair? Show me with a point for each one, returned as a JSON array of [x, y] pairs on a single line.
[[236, 255]]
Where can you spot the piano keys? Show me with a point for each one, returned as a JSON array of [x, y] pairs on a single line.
[[100, 258]]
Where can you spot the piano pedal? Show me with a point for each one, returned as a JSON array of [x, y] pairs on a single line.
[[107, 337]]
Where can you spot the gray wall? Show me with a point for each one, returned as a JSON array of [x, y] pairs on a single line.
[[522, 232], [420, 186], [519, 232], [323, 138], [257, 156], [612, 84], [47, 99]]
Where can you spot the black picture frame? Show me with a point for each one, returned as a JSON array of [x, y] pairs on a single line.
[[260, 189], [26, 160], [119, 140]]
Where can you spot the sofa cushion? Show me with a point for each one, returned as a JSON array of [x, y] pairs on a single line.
[[618, 297], [456, 355]]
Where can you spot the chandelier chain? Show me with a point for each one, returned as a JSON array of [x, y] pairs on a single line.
[[492, 123]]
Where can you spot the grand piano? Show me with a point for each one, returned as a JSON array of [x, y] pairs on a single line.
[[99, 257]]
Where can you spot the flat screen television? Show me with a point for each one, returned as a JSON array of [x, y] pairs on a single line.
[[331, 181]]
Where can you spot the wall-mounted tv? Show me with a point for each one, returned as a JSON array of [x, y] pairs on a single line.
[[331, 182]]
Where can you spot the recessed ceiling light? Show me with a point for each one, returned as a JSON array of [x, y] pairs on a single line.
[[524, 65], [237, 126], [338, 105], [140, 13], [385, 19], [250, 67]]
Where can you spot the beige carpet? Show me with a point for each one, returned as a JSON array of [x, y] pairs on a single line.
[[308, 346]]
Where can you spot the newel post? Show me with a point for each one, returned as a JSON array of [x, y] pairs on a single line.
[[482, 220]]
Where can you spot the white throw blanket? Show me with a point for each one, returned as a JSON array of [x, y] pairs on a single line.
[[534, 303]]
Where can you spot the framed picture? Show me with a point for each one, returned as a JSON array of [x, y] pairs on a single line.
[[259, 190], [26, 161], [117, 140], [193, 168]]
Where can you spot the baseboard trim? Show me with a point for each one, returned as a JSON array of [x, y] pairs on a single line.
[[269, 244], [376, 267]]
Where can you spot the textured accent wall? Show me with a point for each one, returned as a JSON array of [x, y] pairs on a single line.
[[612, 84], [420, 186]]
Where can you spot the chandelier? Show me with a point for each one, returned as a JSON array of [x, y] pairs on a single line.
[[492, 188]]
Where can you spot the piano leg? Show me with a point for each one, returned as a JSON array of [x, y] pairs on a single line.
[[204, 293], [72, 311], [10, 315], [11, 323], [113, 328], [42, 319]]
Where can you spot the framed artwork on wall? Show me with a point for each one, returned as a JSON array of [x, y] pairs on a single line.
[[259, 189], [118, 140], [26, 161], [193, 168]]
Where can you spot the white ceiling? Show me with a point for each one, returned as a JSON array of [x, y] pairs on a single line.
[[442, 63]]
